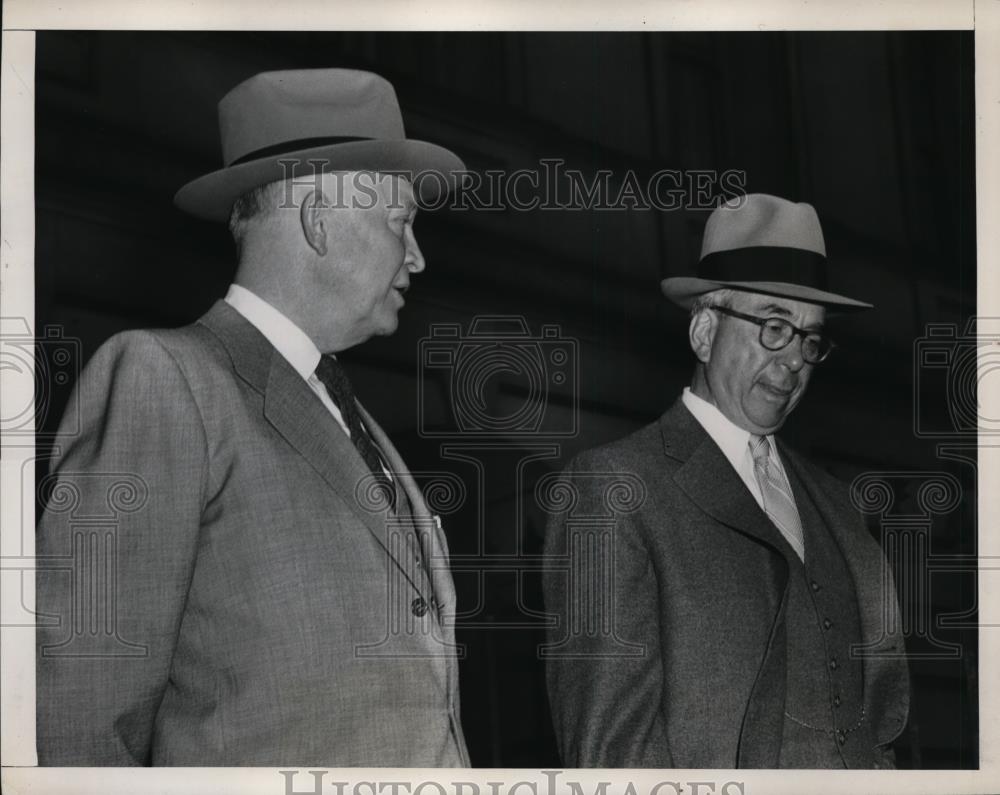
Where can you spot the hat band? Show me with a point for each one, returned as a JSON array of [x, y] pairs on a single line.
[[765, 264], [287, 147]]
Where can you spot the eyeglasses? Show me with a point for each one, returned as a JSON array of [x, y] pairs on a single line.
[[776, 333]]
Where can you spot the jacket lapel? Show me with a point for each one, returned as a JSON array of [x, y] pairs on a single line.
[[886, 678], [435, 555], [426, 525], [709, 480], [707, 477], [295, 412]]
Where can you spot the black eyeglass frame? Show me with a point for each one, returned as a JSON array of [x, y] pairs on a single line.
[[796, 331]]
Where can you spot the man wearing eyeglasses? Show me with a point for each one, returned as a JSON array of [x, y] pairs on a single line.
[[742, 615]]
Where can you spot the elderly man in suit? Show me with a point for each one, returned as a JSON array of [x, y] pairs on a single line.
[[743, 616], [281, 596]]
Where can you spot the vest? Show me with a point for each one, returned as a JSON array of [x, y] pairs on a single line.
[[825, 725]]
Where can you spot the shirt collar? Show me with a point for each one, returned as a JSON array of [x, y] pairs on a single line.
[[287, 338], [733, 440]]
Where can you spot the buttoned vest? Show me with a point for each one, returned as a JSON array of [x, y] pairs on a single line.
[[825, 725]]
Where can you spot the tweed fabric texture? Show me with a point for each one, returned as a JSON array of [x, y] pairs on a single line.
[[262, 609], [688, 668]]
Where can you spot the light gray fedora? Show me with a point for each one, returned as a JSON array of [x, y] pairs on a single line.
[[762, 244], [347, 119]]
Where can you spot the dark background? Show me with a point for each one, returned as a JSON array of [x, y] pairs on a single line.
[[874, 129]]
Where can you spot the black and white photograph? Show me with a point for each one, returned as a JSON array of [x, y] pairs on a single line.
[[499, 402]]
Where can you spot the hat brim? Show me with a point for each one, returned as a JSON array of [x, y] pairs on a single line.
[[684, 290], [434, 170]]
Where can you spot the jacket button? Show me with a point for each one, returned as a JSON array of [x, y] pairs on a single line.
[[841, 738], [836, 700], [833, 663], [419, 607], [815, 586], [827, 623]]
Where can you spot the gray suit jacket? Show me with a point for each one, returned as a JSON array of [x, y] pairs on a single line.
[[691, 671], [223, 588]]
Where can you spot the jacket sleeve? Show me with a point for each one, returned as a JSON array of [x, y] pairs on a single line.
[[116, 547], [885, 757], [603, 664]]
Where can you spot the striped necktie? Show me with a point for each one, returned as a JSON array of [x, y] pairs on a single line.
[[777, 495], [338, 387]]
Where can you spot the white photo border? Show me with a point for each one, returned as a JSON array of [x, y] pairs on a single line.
[[17, 677]]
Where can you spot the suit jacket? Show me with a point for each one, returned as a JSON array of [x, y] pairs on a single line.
[[223, 588], [688, 667]]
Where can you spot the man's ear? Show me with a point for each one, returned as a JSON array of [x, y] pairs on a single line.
[[313, 222], [701, 334]]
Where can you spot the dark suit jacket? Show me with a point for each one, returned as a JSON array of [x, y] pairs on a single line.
[[693, 674], [224, 590]]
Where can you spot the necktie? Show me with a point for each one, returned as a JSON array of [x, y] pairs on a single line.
[[778, 502], [338, 387]]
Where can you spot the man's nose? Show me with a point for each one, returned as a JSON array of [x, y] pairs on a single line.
[[414, 257], [791, 354]]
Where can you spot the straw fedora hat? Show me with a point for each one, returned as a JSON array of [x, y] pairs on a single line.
[[348, 120], [762, 244]]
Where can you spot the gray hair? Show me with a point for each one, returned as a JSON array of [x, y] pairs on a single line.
[[253, 204], [721, 297]]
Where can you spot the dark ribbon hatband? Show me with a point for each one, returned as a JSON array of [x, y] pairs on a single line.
[[765, 264], [298, 145]]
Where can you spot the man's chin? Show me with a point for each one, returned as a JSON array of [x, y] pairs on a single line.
[[387, 327], [766, 421]]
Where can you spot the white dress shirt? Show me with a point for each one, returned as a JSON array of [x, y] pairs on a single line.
[[733, 441], [288, 339]]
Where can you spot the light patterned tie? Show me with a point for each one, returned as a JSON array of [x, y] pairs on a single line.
[[778, 502]]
